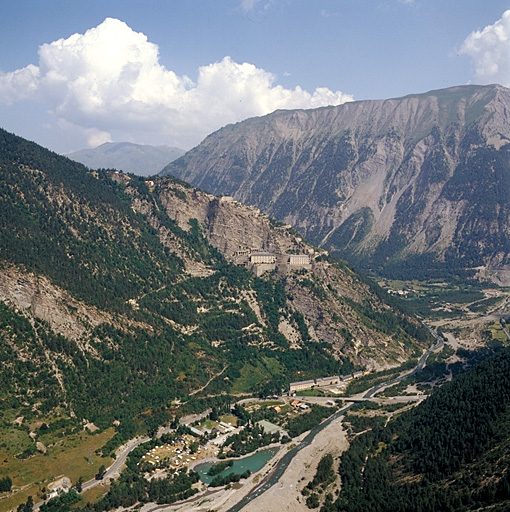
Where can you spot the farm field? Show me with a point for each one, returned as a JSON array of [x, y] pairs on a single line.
[[72, 456]]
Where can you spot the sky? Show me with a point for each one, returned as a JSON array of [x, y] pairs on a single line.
[[75, 74]]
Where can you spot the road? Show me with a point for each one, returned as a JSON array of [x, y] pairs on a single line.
[[284, 462], [418, 368], [282, 465], [114, 469]]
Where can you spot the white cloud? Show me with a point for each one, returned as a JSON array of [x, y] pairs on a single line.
[[109, 80], [248, 5], [19, 85], [490, 50], [97, 137]]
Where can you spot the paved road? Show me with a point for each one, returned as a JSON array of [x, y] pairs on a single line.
[[418, 368], [112, 471], [282, 465]]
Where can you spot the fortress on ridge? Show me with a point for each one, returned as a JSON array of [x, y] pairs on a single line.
[[375, 181], [260, 262]]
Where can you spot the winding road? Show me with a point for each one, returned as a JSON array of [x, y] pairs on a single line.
[[284, 462], [115, 467]]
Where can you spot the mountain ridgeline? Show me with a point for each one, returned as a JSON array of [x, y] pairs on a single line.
[[120, 295], [143, 160], [411, 186]]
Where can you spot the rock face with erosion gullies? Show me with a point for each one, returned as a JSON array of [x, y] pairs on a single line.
[[327, 295], [407, 185]]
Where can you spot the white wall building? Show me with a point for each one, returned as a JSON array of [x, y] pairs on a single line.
[[263, 257], [299, 259]]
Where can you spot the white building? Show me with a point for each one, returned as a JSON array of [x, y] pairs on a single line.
[[300, 386], [263, 257], [328, 381], [299, 259], [62, 485]]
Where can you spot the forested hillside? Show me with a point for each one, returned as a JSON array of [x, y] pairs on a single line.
[[451, 453], [115, 302]]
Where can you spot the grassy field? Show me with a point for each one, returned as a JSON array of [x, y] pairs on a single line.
[[252, 376], [497, 333], [95, 493], [310, 392], [69, 456], [229, 418]]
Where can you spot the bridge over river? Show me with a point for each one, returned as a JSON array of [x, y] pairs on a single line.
[[284, 462]]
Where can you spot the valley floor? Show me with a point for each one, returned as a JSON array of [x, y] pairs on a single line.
[[285, 495]]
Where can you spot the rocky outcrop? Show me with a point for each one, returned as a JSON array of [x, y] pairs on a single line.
[[324, 296], [118, 294], [422, 180], [230, 226], [38, 297]]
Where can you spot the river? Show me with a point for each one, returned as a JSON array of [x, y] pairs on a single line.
[[284, 462]]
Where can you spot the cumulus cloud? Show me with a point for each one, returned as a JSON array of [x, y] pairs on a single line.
[[19, 85], [110, 80], [490, 50]]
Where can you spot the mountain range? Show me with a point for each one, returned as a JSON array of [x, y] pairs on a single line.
[[143, 160], [413, 186], [131, 301], [114, 286]]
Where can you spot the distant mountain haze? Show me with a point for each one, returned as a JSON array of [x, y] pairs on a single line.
[[143, 160], [419, 184]]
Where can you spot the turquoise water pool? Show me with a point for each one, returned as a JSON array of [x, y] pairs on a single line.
[[253, 462]]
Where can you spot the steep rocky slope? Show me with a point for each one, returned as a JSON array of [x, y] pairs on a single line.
[[119, 295], [403, 185], [337, 305]]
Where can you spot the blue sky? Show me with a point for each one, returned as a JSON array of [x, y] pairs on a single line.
[[74, 74]]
